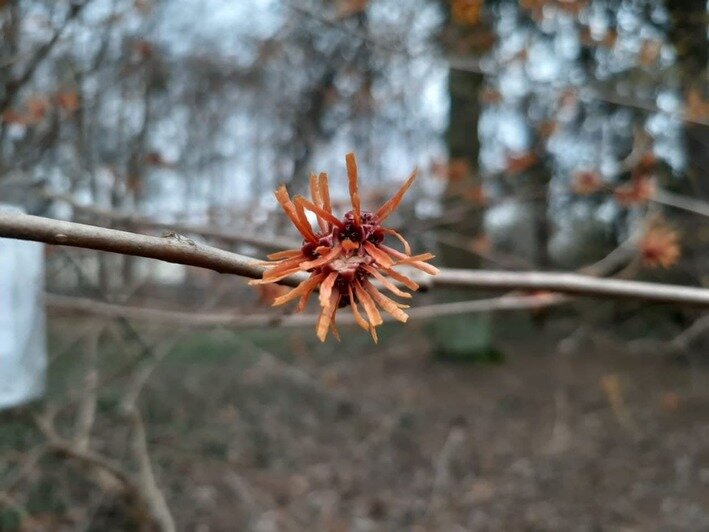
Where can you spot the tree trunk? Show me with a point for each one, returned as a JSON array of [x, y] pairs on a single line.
[[465, 337], [689, 35]]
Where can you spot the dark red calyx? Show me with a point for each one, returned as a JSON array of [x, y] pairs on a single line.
[[376, 237], [308, 250], [351, 231]]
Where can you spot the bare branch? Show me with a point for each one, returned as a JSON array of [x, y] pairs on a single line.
[[442, 467], [696, 330], [146, 479], [142, 489], [182, 251], [681, 202], [169, 249], [29, 462], [573, 283], [135, 220]]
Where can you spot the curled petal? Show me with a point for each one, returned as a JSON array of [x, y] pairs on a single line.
[[416, 261], [303, 288], [377, 254], [317, 200], [369, 307], [326, 288], [287, 254], [305, 297], [283, 264], [320, 211], [391, 205], [386, 282], [351, 162], [407, 247], [282, 274], [422, 256], [391, 306], [419, 265], [289, 208], [333, 325], [279, 271], [408, 283], [326, 316], [300, 212], [331, 255], [324, 191], [359, 320], [358, 317], [315, 189]]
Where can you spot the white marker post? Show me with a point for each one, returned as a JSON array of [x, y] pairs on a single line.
[[23, 351]]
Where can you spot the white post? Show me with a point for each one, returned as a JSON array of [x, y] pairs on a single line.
[[23, 352]]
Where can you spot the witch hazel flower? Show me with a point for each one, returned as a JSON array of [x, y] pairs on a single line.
[[344, 256]]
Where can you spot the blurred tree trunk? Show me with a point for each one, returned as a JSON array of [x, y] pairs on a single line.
[[463, 150], [309, 123], [465, 337], [136, 173], [540, 178], [10, 26], [689, 35]]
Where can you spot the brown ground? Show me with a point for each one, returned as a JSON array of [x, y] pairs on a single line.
[[388, 439]]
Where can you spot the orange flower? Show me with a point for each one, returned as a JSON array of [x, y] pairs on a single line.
[[455, 170], [466, 12], [586, 183], [475, 194], [640, 190], [343, 256], [697, 107], [267, 293], [646, 165], [67, 100], [660, 247], [520, 163], [481, 244]]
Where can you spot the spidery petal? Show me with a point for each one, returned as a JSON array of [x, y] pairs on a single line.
[[351, 162], [391, 205]]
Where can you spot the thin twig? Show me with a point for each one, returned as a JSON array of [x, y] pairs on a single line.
[[148, 486], [86, 414], [14, 85], [143, 489], [200, 320], [442, 467], [681, 202]]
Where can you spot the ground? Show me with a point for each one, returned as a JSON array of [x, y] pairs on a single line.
[[247, 433]]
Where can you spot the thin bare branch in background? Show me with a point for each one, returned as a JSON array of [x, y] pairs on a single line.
[[148, 486], [86, 414], [17, 83], [192, 320]]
